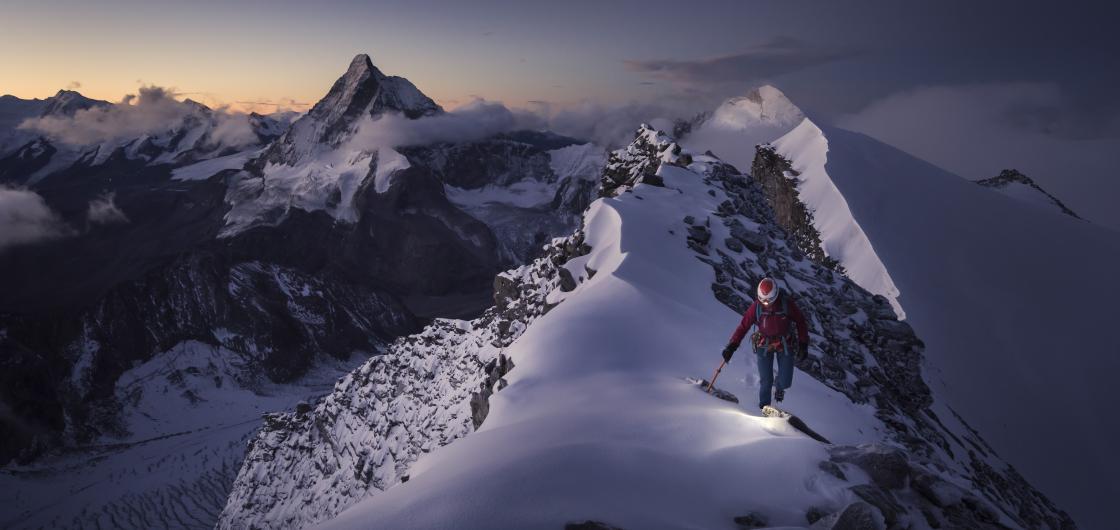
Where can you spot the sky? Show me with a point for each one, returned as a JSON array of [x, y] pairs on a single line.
[[937, 79]]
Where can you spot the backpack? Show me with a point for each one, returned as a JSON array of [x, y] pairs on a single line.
[[783, 310]]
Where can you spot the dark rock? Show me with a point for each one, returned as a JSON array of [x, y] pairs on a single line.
[[751, 520], [652, 180], [505, 290], [880, 499], [887, 466], [857, 516], [733, 244], [590, 525], [480, 401], [303, 407], [882, 309], [938, 492], [700, 234], [770, 169], [832, 469], [730, 298], [567, 282], [814, 514], [1012, 176], [753, 240], [697, 247]]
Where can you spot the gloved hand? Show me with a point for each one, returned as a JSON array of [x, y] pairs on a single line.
[[803, 351], [729, 351]]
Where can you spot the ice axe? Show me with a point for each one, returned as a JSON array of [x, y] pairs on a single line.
[[714, 376]]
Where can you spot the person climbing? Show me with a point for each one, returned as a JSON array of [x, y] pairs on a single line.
[[773, 312]]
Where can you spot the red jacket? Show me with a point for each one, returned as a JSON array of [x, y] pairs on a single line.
[[771, 324]]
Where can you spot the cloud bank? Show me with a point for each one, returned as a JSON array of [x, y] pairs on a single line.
[[152, 111], [606, 125], [781, 55], [25, 218], [472, 122]]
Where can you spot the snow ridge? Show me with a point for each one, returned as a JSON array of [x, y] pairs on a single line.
[[841, 237]]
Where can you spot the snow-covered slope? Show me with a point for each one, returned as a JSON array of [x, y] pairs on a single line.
[[597, 421], [1013, 302]]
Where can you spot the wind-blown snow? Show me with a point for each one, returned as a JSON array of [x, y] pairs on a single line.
[[841, 236]]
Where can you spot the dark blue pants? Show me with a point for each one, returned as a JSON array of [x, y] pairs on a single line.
[[766, 372]]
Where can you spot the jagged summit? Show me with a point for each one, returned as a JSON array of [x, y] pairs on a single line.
[[362, 91], [763, 105], [67, 102], [361, 63], [1012, 183]]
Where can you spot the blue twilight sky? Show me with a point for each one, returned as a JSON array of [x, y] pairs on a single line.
[[939, 79]]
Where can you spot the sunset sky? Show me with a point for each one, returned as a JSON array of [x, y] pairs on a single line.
[[1041, 71]]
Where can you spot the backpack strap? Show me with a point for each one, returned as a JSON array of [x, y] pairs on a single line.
[[783, 311]]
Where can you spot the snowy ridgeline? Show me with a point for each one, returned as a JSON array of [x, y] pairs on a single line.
[[596, 423], [424, 392]]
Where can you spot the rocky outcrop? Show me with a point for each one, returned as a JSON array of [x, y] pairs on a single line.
[[773, 172], [638, 162], [1008, 179], [902, 493], [424, 392]]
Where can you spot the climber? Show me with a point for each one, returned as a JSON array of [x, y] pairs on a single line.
[[773, 313]]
